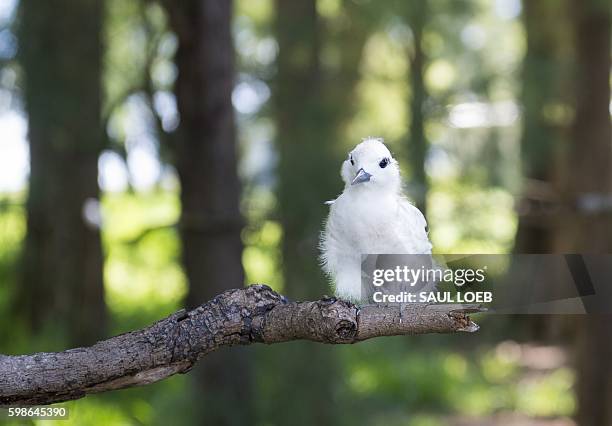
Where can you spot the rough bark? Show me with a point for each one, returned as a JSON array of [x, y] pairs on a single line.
[[61, 56], [205, 156], [255, 314]]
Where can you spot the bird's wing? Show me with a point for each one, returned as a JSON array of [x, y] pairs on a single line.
[[412, 214], [331, 202], [415, 221]]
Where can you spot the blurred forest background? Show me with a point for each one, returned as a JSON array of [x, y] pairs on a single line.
[[155, 152]]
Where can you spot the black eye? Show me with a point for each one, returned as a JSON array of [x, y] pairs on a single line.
[[352, 162], [384, 163]]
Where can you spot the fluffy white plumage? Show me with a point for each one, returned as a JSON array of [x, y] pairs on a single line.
[[370, 216]]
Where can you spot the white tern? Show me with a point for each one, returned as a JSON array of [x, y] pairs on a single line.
[[371, 216]]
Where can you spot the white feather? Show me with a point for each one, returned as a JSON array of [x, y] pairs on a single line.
[[372, 217]]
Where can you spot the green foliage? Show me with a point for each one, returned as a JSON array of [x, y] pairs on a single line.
[[12, 232], [144, 279], [469, 219], [415, 381], [261, 256]]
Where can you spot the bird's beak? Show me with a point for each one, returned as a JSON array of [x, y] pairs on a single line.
[[361, 176]]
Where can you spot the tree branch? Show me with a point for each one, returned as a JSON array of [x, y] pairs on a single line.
[[255, 314]]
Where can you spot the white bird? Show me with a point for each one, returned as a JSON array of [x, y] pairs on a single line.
[[371, 216]]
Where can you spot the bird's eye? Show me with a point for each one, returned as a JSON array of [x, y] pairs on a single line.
[[352, 162], [384, 163]]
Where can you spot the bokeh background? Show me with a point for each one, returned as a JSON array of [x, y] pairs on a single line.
[[155, 152]]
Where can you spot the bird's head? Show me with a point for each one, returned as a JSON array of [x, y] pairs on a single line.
[[370, 165]]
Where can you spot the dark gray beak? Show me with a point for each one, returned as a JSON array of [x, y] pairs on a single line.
[[361, 176]]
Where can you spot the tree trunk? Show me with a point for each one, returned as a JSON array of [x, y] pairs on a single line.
[[545, 82], [205, 153], [417, 143], [543, 78], [305, 171], [311, 103], [590, 177], [60, 51]]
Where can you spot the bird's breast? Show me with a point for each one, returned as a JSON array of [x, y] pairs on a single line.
[[367, 227]]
